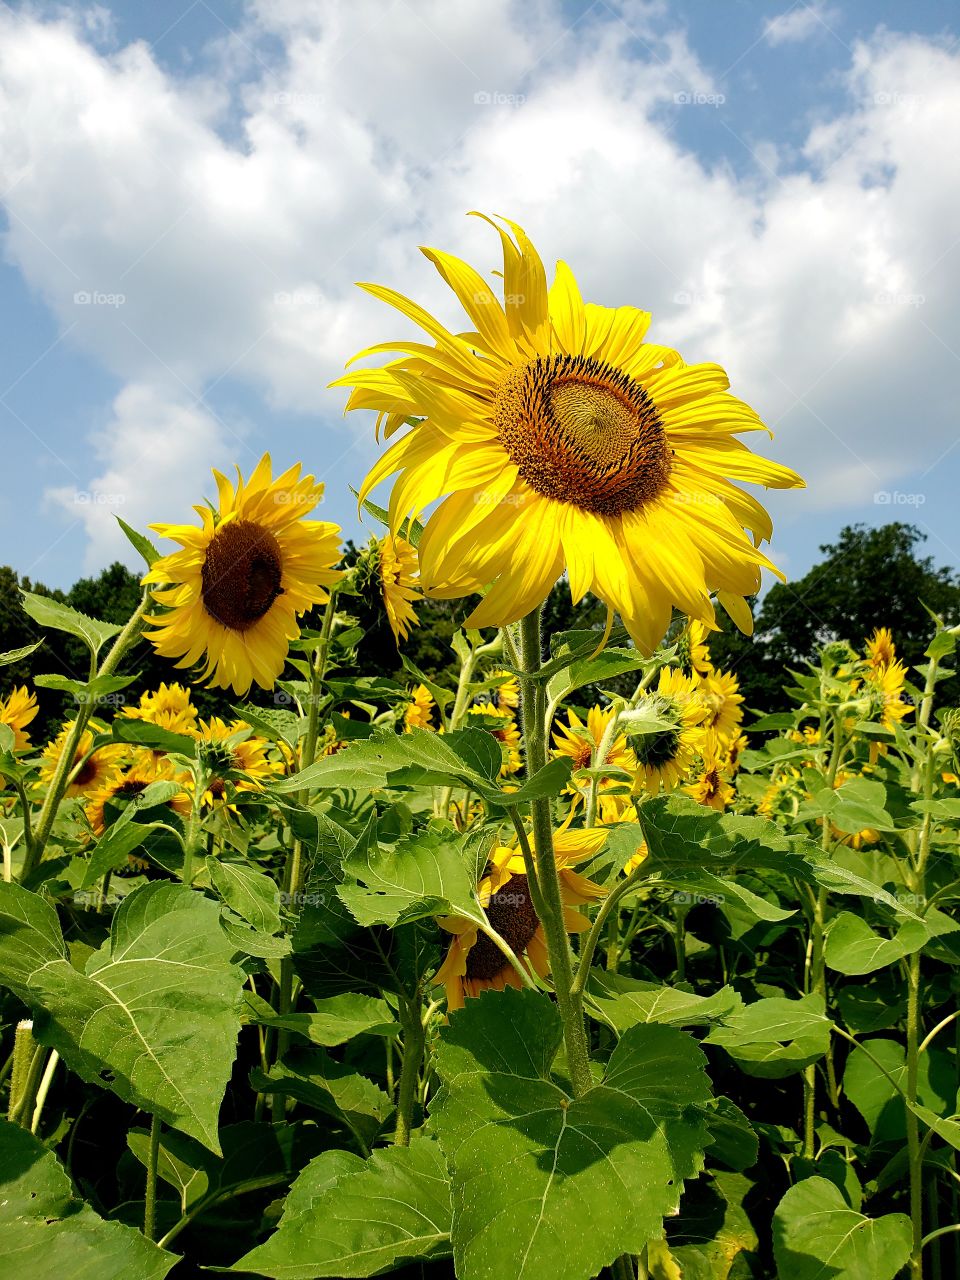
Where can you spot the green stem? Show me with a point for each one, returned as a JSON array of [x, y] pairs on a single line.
[[589, 946], [569, 1002], [27, 1064], [150, 1198], [58, 785], [414, 1039], [44, 1089]]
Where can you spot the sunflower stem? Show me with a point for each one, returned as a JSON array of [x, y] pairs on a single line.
[[414, 1040], [48, 812], [150, 1197], [569, 1002]]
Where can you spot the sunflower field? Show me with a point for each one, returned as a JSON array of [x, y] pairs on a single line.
[[564, 963]]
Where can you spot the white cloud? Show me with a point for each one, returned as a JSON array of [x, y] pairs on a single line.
[[234, 240], [799, 22]]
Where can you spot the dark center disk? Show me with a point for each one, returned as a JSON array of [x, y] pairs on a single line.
[[241, 574], [512, 915], [88, 771], [581, 431], [657, 749]]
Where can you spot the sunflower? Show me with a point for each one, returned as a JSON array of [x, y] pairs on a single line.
[[559, 439], [398, 584], [694, 650], [881, 651], [579, 742], [95, 767], [473, 963], [418, 713], [720, 694], [507, 692], [233, 594], [168, 706], [665, 756], [506, 732], [886, 685], [711, 786], [17, 710], [240, 754], [124, 785]]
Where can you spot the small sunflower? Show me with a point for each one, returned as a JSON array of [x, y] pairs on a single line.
[[233, 594], [579, 742], [17, 710], [711, 785], [665, 757], [720, 694], [694, 650], [246, 755], [507, 734], [168, 706], [559, 439], [507, 692], [418, 713], [398, 584], [473, 963], [881, 651], [886, 686], [95, 767], [124, 785]]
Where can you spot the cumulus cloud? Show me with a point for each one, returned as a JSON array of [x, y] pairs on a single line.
[[216, 225], [799, 22]]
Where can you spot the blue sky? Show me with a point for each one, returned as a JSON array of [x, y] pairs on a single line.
[[777, 184]]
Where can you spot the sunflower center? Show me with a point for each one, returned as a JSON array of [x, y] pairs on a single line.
[[241, 574], [88, 771], [654, 750], [512, 915], [580, 431]]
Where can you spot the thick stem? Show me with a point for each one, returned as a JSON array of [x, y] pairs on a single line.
[[414, 1039], [569, 1002], [150, 1197], [44, 1089]]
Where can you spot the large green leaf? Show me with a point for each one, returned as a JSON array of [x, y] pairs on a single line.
[[853, 948], [545, 1184], [879, 1097], [852, 807], [775, 1037], [337, 1020], [624, 1002], [60, 617], [424, 875], [816, 1234], [248, 892], [154, 1017], [348, 1217], [48, 1233]]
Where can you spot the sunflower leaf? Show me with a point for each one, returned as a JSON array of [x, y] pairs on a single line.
[[346, 1217], [160, 996], [615, 1158], [60, 617], [427, 874], [775, 1037], [14, 655], [49, 1232], [140, 543], [816, 1233]]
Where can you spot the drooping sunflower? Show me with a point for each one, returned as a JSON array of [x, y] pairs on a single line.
[[95, 767], [168, 706], [418, 713], [720, 694], [17, 710], [473, 963], [694, 649], [664, 757], [233, 594], [558, 438], [579, 742], [398, 584], [507, 692]]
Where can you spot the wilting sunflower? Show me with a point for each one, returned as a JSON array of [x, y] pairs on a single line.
[[474, 963], [233, 594], [95, 767], [168, 706], [124, 785], [17, 710], [560, 439], [505, 731], [579, 742], [664, 757], [881, 651], [418, 713], [398, 584], [720, 694]]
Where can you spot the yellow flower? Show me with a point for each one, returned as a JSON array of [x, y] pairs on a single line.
[[579, 742], [694, 647], [720, 693], [398, 584], [246, 755], [94, 768], [419, 711], [473, 963], [665, 757], [126, 784], [169, 707], [881, 651], [507, 693], [710, 787], [559, 439], [233, 594], [886, 684], [507, 734], [17, 710]]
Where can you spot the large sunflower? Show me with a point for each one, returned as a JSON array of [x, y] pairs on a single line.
[[473, 962], [17, 710], [233, 594], [559, 439]]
